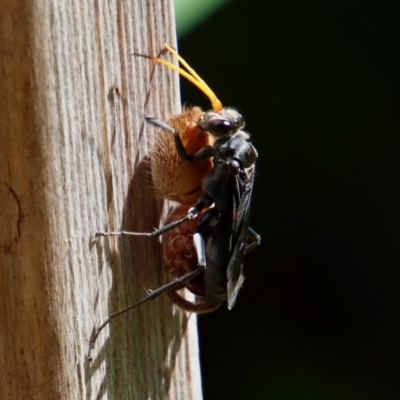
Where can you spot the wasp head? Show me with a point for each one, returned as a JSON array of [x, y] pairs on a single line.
[[223, 123]]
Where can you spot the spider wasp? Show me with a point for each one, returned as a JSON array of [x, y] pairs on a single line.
[[205, 159]]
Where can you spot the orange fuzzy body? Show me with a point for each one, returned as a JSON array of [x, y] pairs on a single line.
[[178, 250], [174, 178]]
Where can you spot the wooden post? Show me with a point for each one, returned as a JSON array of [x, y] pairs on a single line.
[[73, 161]]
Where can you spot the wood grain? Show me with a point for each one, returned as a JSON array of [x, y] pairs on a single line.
[[73, 161]]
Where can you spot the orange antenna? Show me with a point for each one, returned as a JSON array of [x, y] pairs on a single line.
[[191, 76]]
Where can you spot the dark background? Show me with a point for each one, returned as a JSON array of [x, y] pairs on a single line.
[[318, 84]]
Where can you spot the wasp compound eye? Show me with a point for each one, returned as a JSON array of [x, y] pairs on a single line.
[[219, 127], [223, 123]]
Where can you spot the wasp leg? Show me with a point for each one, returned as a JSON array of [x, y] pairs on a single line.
[[204, 153], [204, 202], [192, 213], [254, 238], [198, 308], [178, 283], [199, 246]]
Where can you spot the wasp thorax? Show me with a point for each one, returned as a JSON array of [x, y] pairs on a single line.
[[222, 123]]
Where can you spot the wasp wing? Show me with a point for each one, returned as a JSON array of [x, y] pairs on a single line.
[[234, 271]]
